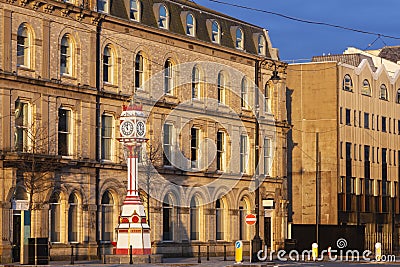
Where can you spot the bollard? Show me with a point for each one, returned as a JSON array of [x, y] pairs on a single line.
[[314, 249], [208, 252], [104, 253], [199, 256], [224, 252], [378, 251], [130, 255], [72, 254]]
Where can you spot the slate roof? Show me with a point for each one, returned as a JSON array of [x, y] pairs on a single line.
[[391, 53], [120, 8], [350, 59]]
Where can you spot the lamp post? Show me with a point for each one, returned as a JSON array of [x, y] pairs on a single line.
[[257, 241]]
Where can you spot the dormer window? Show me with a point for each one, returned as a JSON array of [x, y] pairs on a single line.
[[261, 45], [163, 20], [384, 94], [190, 25], [135, 10], [239, 39], [347, 83], [215, 32]]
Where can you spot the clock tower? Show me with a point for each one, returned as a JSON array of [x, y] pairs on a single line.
[[133, 229]]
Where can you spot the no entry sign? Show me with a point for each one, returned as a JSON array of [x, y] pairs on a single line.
[[250, 219]]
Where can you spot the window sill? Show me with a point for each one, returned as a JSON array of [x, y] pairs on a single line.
[[25, 68], [68, 77]]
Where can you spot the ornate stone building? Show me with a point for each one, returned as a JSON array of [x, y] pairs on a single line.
[[66, 69]]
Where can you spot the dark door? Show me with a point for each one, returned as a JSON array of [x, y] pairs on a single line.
[[16, 246], [267, 231]]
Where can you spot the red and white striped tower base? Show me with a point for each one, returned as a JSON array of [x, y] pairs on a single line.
[[133, 229]]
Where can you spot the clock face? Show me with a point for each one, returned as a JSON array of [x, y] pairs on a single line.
[[127, 128], [140, 128]]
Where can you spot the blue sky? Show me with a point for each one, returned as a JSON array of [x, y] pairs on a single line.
[[296, 40]]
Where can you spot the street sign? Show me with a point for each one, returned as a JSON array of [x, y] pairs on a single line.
[[250, 219], [238, 251]]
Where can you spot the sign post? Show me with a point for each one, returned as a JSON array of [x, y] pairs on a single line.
[[238, 251]]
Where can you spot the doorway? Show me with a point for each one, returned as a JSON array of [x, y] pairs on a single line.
[[16, 236]]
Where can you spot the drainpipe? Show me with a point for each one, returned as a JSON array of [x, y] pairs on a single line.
[[98, 157]]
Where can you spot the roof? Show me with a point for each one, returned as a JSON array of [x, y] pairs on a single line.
[[391, 53], [120, 8], [350, 59]]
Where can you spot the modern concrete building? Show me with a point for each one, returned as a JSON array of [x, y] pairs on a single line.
[[352, 101], [66, 69]]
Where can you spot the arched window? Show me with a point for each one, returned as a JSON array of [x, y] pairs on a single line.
[[384, 94], [347, 83], [267, 97], [73, 218], [366, 88], [244, 93], [168, 219], [66, 55], [23, 46], [190, 25], [215, 32], [55, 218], [194, 219], [139, 71], [219, 220], [107, 215], [243, 211], [135, 10], [196, 86], [168, 77], [239, 39], [163, 18], [108, 65], [398, 97], [261, 45], [221, 87]]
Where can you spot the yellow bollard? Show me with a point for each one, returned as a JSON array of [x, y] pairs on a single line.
[[314, 251], [378, 251], [238, 251]]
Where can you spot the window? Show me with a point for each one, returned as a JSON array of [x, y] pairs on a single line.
[[373, 121], [64, 132], [168, 77], [139, 71], [244, 93], [243, 211], [221, 87], [163, 18], [366, 120], [55, 218], [347, 83], [196, 85], [135, 10], [398, 127], [340, 115], [107, 130], [384, 94], [66, 55], [21, 114], [366, 88], [383, 124], [194, 219], [348, 122], [262, 48], [215, 32], [190, 25], [398, 96], [168, 214], [267, 99], [239, 39], [267, 156], [73, 218], [108, 65], [102, 6], [194, 147], [167, 145], [219, 220], [107, 216], [220, 151], [243, 153], [355, 118], [23, 46]]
